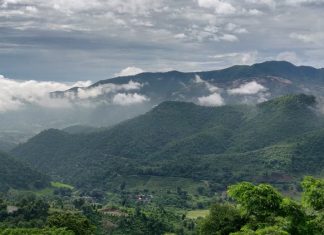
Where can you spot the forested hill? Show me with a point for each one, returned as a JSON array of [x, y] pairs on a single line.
[[14, 174], [275, 141]]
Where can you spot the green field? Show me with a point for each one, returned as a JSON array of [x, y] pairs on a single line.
[[61, 185], [197, 213], [155, 183]]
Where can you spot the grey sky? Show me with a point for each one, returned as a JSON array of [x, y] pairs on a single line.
[[72, 40]]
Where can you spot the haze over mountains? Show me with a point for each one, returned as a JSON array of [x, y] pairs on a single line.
[[175, 155], [110, 101], [277, 141]]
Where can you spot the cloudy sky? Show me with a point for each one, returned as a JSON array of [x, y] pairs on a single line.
[[73, 40]]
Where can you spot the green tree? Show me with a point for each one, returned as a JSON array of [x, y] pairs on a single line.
[[264, 231], [30, 207], [313, 195], [222, 220], [34, 231], [261, 201], [3, 210], [77, 223], [294, 216]]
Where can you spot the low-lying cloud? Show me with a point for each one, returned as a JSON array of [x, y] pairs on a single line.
[[94, 92], [210, 87], [16, 95], [213, 100], [125, 99], [250, 88], [129, 71]]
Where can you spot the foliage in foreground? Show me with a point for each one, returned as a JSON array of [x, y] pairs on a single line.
[[261, 210], [35, 231]]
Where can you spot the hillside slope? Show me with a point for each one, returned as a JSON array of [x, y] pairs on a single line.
[[222, 144], [14, 174]]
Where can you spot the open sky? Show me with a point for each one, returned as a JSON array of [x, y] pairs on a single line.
[[79, 40]]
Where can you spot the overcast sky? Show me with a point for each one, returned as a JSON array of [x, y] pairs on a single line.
[[73, 40]]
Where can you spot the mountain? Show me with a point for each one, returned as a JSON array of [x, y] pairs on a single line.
[[80, 129], [267, 142], [110, 101], [10, 139], [121, 98], [14, 174], [275, 78], [6, 146]]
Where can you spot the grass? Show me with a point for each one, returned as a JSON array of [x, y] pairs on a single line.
[[61, 185], [156, 183], [197, 213], [44, 192]]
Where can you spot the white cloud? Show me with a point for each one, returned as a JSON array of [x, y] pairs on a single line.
[[229, 38], [129, 71], [301, 2], [250, 88], [94, 92], [180, 36], [309, 37], [124, 99], [235, 28], [245, 58], [269, 3], [214, 99], [166, 30], [288, 56], [208, 85], [220, 6], [211, 100], [15, 94]]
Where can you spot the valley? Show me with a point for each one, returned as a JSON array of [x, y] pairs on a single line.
[[179, 158]]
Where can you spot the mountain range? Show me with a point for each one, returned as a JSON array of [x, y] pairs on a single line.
[[108, 102], [276, 141], [236, 84]]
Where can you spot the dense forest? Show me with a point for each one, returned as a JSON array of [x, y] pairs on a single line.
[[247, 209], [178, 169], [277, 142], [14, 174]]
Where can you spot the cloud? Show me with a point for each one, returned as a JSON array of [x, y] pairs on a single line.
[[214, 100], [309, 37], [270, 3], [303, 2], [288, 56], [229, 38], [250, 88], [125, 99], [219, 6], [152, 33], [15, 95], [231, 27], [243, 58], [129, 71], [94, 92], [180, 36], [209, 86]]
